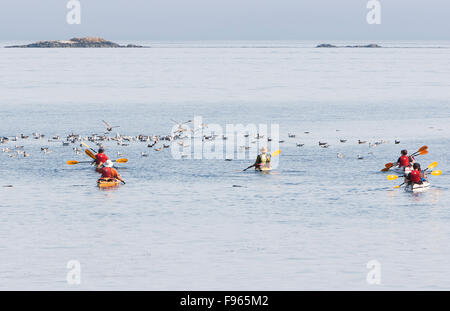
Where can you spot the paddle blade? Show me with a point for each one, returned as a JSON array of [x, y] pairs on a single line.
[[396, 187], [275, 153], [436, 173], [72, 162], [423, 152], [90, 154], [423, 148], [389, 165], [121, 160], [392, 177], [432, 165], [86, 145], [385, 169]]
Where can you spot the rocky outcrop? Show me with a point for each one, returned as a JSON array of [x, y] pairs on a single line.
[[88, 42], [326, 45], [373, 45]]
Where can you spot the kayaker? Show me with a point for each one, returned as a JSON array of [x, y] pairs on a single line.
[[108, 171], [416, 176], [101, 157], [405, 160], [263, 159]]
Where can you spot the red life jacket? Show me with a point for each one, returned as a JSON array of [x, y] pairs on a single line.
[[106, 172], [404, 161], [415, 177], [101, 158]]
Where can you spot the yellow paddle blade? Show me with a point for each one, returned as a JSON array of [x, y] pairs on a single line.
[[392, 177], [396, 187], [121, 160], [72, 162], [423, 152], [90, 154], [432, 165], [275, 153], [389, 165], [385, 169], [423, 148], [86, 145], [436, 173]]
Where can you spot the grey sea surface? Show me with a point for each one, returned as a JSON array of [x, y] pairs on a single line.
[[313, 223]]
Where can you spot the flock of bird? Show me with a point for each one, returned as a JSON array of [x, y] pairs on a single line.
[[180, 133]]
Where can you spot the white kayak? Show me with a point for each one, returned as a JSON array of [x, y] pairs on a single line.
[[402, 170], [418, 187]]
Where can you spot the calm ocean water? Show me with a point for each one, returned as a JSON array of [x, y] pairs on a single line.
[[313, 223]]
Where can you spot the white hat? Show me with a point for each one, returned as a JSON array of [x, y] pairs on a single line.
[[108, 163], [264, 149]]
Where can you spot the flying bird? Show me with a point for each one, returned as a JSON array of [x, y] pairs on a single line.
[[181, 126], [109, 128]]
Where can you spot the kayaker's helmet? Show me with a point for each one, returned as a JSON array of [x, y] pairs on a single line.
[[404, 152], [101, 150], [416, 166], [108, 163], [264, 150]]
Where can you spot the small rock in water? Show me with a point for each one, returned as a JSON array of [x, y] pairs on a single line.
[[237, 186], [8, 186]]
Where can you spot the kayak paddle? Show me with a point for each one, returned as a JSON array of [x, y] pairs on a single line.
[[396, 187], [430, 167], [423, 148], [248, 167], [393, 177], [274, 154], [87, 146], [434, 173], [72, 162], [90, 154], [422, 151], [387, 167]]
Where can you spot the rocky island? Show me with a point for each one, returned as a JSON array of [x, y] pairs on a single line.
[[88, 42], [327, 45]]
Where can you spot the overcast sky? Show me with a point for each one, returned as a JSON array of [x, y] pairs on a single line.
[[225, 20]]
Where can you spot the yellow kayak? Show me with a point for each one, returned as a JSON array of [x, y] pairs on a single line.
[[108, 182], [263, 169]]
